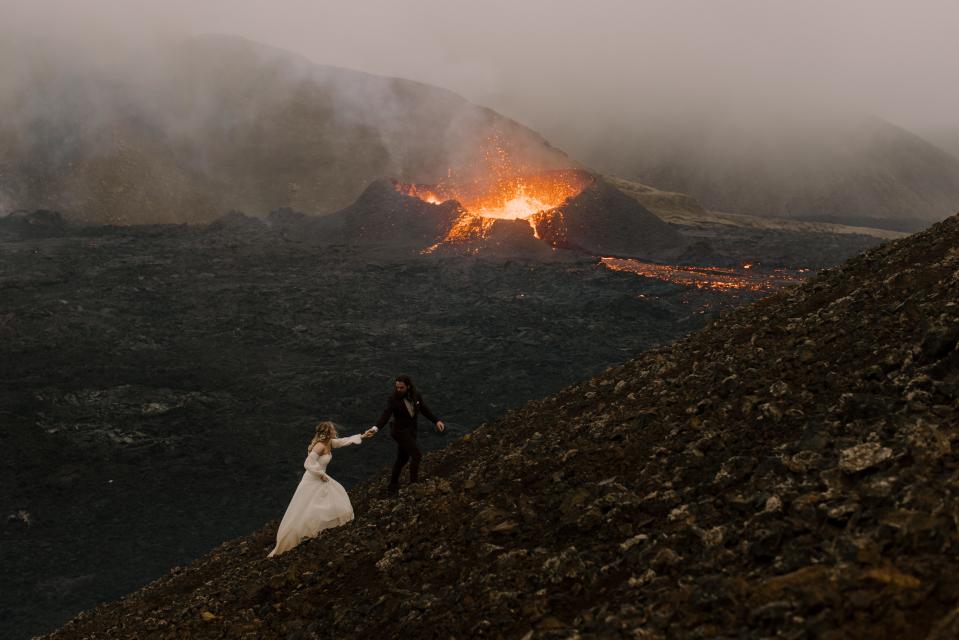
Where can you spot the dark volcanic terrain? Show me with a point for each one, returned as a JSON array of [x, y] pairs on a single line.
[[789, 471], [159, 383]]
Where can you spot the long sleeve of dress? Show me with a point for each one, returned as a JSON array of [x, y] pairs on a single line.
[[336, 443], [313, 464]]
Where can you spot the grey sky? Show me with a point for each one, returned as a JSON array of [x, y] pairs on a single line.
[[571, 64]]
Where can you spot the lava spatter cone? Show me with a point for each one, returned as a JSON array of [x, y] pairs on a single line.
[[573, 210], [384, 216], [602, 220]]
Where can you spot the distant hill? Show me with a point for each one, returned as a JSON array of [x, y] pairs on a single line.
[[684, 210], [215, 123], [854, 170]]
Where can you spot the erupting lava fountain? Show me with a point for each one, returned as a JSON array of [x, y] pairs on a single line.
[[505, 197]]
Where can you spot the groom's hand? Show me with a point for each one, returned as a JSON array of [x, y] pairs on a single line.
[[440, 426]]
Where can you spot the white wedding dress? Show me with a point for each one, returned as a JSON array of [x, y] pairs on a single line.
[[317, 504]]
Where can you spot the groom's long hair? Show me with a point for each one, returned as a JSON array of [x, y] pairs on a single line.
[[410, 389]]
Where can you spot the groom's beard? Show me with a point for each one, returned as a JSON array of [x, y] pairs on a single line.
[[401, 396]]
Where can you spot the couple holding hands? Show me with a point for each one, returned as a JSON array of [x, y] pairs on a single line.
[[320, 502]]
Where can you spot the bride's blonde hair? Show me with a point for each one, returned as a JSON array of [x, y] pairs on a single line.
[[325, 432]]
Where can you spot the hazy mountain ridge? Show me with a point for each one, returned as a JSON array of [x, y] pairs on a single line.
[[945, 139], [789, 469], [216, 123], [851, 169]]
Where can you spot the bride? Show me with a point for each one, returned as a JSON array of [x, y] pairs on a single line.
[[320, 502]]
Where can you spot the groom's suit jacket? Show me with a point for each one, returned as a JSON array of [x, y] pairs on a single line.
[[402, 420]]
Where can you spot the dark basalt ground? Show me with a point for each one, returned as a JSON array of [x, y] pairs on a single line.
[[790, 471], [159, 384], [730, 246]]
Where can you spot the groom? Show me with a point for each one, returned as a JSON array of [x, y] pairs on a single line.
[[403, 406]]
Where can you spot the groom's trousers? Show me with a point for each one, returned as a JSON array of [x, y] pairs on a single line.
[[407, 451]]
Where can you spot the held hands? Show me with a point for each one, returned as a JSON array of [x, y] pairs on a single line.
[[440, 426], [369, 433]]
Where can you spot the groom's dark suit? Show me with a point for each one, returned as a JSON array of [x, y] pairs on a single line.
[[404, 411]]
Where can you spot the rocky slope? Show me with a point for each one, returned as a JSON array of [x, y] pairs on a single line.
[[788, 471], [187, 130], [199, 356]]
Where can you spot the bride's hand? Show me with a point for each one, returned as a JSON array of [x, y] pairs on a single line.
[[325, 478]]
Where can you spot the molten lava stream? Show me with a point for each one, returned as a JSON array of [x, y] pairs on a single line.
[[722, 278]]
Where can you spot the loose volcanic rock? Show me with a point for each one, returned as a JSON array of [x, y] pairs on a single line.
[[863, 456]]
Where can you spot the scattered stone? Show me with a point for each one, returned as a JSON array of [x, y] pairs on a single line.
[[632, 542], [773, 504], [863, 456], [389, 559]]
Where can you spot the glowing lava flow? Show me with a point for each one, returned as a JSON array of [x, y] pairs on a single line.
[[745, 278]]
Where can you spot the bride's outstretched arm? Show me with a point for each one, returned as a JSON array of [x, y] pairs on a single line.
[[336, 443]]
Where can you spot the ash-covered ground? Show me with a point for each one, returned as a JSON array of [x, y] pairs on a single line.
[[159, 384]]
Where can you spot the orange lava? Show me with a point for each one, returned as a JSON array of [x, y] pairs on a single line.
[[505, 191], [746, 278], [514, 197]]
